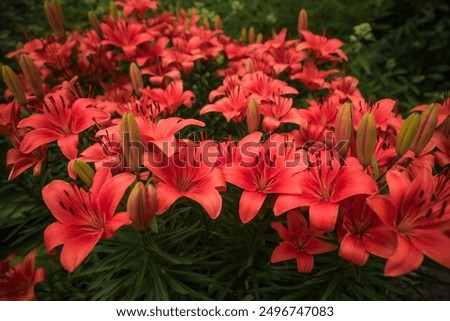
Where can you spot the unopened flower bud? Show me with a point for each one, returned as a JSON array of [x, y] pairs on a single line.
[[193, 12], [302, 22], [32, 75], [113, 11], [55, 17], [84, 172], [131, 141], [252, 116], [136, 79], [251, 35], [366, 139], [244, 35], [407, 134], [95, 23], [141, 205], [249, 65], [206, 24], [427, 126], [13, 83], [259, 38], [217, 23], [343, 128]]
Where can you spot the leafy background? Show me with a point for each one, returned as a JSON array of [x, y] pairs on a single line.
[[397, 49]]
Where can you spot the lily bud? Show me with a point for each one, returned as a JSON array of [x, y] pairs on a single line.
[[95, 23], [55, 17], [407, 134], [136, 79], [251, 35], [259, 38], [193, 12], [84, 172], [217, 23], [427, 126], [366, 139], [253, 116], [13, 83], [32, 75], [113, 11], [206, 24], [244, 35], [343, 128], [131, 141], [141, 205], [249, 66], [302, 22]]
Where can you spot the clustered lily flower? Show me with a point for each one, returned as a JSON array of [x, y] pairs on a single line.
[[339, 165]]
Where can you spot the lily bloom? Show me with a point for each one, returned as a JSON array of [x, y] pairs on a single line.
[[279, 111], [19, 162], [62, 120], [300, 242], [322, 48], [187, 174], [420, 223], [362, 233], [140, 7], [17, 282], [171, 97], [262, 87], [312, 77], [126, 36], [233, 106], [324, 187], [261, 169], [84, 217]]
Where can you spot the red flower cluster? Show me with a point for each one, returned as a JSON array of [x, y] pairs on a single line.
[[341, 165]]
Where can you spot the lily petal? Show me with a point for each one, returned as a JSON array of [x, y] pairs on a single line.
[[250, 204], [323, 215], [406, 258], [283, 252], [352, 249], [76, 250]]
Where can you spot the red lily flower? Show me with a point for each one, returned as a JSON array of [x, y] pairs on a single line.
[[419, 222], [171, 97], [19, 162], [300, 242], [262, 169], [17, 282], [382, 111], [322, 48], [139, 6], [127, 36], [233, 106], [279, 111], [345, 88], [84, 217], [262, 87], [62, 120], [324, 186], [362, 233], [311, 77], [188, 174]]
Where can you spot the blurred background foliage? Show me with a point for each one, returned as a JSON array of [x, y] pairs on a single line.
[[396, 48]]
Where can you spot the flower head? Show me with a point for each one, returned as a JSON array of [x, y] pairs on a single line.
[[84, 217]]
